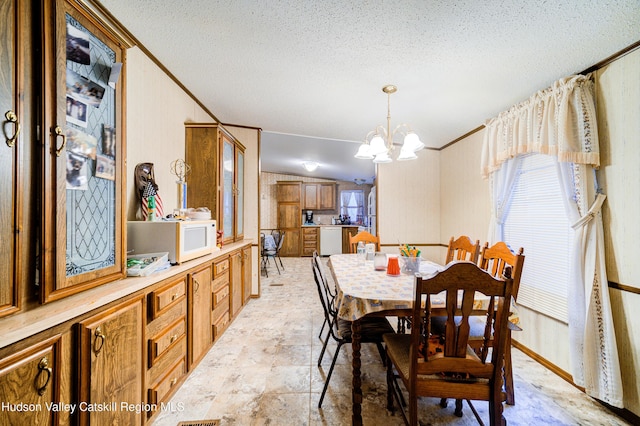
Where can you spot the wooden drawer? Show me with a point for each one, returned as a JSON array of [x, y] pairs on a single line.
[[220, 266], [161, 343], [223, 307], [220, 281], [167, 383], [220, 295], [220, 325], [308, 251], [164, 298]]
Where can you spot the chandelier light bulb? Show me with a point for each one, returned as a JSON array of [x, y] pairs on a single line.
[[364, 152], [377, 145]]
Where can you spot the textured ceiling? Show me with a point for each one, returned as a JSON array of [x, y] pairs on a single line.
[[310, 73]]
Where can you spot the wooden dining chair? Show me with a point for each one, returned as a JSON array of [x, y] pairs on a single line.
[[463, 249], [372, 330], [450, 368], [496, 260], [365, 237]]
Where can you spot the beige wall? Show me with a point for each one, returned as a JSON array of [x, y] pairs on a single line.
[[157, 109], [465, 209], [618, 103], [409, 204]]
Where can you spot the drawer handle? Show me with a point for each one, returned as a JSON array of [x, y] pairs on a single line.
[[11, 118], [173, 338], [43, 367], [197, 285], [174, 296], [173, 381], [98, 344], [58, 131]]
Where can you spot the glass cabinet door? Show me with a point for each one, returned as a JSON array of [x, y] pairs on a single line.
[[227, 188], [239, 194]]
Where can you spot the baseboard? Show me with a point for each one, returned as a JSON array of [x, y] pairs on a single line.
[[622, 412]]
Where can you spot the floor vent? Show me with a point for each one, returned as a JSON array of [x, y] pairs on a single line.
[[276, 285], [200, 423]]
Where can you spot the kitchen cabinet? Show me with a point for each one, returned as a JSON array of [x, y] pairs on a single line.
[[216, 179], [166, 335], [110, 364], [347, 231], [201, 154], [289, 216], [288, 191], [231, 190], [221, 297], [31, 376], [247, 274], [14, 153], [82, 213], [237, 277], [310, 240], [319, 196], [199, 313]]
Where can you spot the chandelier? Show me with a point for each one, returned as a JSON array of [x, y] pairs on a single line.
[[378, 144]]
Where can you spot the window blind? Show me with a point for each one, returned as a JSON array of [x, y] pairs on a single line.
[[536, 220]]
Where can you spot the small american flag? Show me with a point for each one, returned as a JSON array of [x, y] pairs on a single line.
[[149, 191]]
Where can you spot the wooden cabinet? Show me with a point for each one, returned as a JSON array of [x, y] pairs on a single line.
[[346, 232], [247, 274], [289, 192], [220, 318], [166, 336], [201, 154], [199, 313], [110, 364], [82, 213], [319, 196], [31, 376], [14, 153], [310, 240], [216, 179], [289, 216], [237, 276]]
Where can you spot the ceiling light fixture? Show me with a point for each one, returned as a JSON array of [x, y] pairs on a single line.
[[310, 165], [378, 144]]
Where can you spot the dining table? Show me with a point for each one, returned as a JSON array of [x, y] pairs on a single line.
[[361, 291]]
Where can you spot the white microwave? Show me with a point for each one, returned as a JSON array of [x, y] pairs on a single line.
[[183, 240]]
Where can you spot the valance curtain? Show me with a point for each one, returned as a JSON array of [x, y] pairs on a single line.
[[561, 121]]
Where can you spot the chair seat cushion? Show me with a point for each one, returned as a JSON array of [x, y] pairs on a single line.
[[372, 329], [398, 346]]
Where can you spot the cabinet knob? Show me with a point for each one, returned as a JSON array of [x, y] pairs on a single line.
[[43, 368], [98, 343], [12, 118], [59, 133]]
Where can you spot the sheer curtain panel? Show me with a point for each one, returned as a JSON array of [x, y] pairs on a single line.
[[561, 121]]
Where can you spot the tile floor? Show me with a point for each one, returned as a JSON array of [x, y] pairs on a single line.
[[263, 371]]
